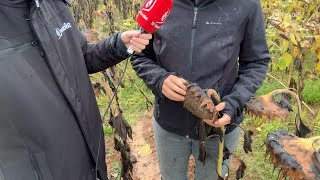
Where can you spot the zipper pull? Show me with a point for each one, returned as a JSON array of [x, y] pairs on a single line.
[[37, 4], [195, 12]]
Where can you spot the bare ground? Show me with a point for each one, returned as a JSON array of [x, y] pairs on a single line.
[[142, 148]]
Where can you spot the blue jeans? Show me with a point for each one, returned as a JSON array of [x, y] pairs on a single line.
[[173, 153]]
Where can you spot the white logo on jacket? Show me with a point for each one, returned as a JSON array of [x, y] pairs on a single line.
[[60, 31]]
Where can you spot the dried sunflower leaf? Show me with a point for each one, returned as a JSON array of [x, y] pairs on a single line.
[[247, 141]]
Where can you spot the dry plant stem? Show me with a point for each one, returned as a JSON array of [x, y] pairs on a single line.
[[221, 140], [135, 86], [220, 155], [294, 95]]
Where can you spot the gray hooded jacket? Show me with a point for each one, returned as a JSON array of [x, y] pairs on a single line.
[[218, 44]]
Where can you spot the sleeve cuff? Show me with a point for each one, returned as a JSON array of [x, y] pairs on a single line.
[[120, 45], [116, 46], [160, 84]]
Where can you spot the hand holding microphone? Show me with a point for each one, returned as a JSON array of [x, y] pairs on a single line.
[[151, 16], [135, 40]]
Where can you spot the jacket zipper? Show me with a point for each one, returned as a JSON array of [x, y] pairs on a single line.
[[37, 4], [58, 84], [193, 31], [194, 25]]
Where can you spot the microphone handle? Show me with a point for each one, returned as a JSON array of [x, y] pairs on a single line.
[[131, 51]]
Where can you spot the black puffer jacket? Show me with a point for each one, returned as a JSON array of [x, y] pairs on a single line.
[[201, 42], [49, 119]]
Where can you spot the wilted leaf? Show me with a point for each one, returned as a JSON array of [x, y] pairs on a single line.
[[240, 171], [226, 153], [293, 39], [247, 141], [201, 127], [301, 129], [121, 126]]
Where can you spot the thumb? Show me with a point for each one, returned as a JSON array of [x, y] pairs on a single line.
[[220, 106]]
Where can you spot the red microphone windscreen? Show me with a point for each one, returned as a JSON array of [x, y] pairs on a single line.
[[153, 14]]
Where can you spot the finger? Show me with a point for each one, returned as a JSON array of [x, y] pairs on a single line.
[[132, 33], [172, 95], [217, 123], [208, 121], [145, 36], [220, 106], [224, 120], [175, 96], [138, 45], [140, 41], [177, 89], [135, 49], [181, 83]]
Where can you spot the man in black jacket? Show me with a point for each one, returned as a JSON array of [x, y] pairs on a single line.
[[50, 124], [218, 44]]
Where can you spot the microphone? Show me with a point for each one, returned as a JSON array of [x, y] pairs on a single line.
[[152, 15]]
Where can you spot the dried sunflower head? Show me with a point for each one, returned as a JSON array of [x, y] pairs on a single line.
[[198, 101], [297, 158]]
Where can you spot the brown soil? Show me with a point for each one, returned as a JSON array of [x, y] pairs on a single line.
[[143, 148]]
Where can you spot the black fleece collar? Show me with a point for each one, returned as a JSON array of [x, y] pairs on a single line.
[[14, 3]]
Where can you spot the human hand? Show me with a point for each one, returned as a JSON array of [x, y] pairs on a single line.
[[224, 120], [135, 40], [174, 88]]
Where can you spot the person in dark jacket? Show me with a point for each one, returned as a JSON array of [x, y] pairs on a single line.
[[50, 124], [217, 44]]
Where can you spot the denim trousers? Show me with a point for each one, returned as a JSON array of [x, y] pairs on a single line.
[[173, 152]]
